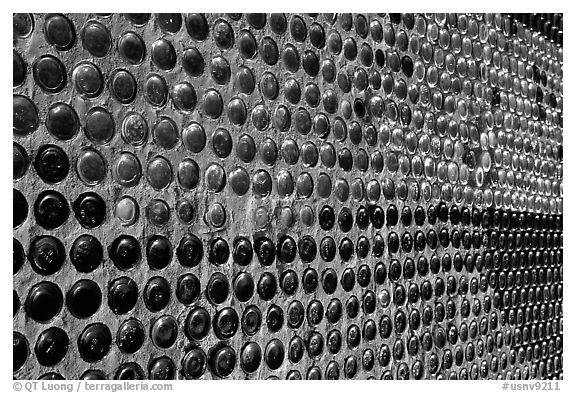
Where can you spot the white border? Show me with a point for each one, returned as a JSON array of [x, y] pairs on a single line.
[[299, 6]]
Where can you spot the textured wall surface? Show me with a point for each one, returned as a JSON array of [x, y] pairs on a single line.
[[292, 196]]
